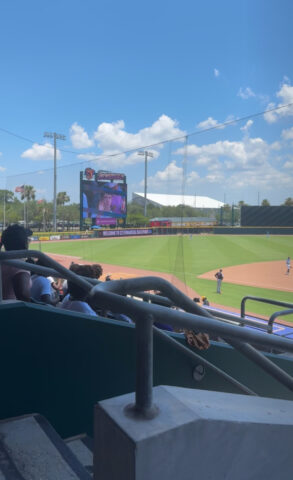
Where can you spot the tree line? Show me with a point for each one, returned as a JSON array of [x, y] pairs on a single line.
[[36, 213], [40, 212], [265, 203]]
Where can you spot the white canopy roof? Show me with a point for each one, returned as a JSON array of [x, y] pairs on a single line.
[[166, 200]]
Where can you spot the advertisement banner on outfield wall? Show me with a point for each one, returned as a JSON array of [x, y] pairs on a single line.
[[43, 239], [55, 237], [128, 232], [74, 237]]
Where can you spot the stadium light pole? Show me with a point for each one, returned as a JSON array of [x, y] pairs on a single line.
[[146, 154], [56, 136]]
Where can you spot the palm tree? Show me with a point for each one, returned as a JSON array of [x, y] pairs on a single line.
[[7, 196], [28, 193], [265, 203], [62, 198]]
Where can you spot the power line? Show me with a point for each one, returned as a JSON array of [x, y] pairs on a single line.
[[199, 132], [174, 139]]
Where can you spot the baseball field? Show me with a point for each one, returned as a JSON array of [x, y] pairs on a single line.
[[252, 265]]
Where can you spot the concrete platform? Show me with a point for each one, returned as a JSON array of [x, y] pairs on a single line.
[[197, 435]]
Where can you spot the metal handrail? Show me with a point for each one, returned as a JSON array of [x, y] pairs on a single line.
[[111, 295], [276, 315], [49, 262], [230, 333], [234, 317], [186, 351], [181, 319], [45, 271], [263, 300]]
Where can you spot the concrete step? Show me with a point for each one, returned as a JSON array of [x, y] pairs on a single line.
[[30, 449], [82, 447]]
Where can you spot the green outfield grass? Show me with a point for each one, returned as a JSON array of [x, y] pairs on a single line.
[[187, 258]]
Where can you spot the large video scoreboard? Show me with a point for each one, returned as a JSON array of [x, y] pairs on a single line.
[[103, 199]]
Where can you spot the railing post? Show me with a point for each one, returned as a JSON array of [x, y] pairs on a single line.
[[144, 406]]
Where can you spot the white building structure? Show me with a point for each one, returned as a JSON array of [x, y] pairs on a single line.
[[165, 200]]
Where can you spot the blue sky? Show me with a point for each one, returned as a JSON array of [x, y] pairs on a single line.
[[114, 76]]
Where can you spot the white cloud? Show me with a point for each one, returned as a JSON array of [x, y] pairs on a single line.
[[286, 96], [171, 175], [79, 137], [216, 72], [41, 152], [244, 165], [289, 165], [216, 177], [132, 158], [191, 177], [275, 146], [245, 93], [120, 160], [203, 161], [287, 134], [263, 177], [113, 138], [247, 126], [210, 122], [233, 155], [270, 117]]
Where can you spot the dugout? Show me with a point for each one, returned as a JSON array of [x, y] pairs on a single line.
[[277, 216]]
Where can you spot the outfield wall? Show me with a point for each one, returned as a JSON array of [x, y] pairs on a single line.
[[45, 237], [253, 230], [127, 232], [223, 230], [258, 216]]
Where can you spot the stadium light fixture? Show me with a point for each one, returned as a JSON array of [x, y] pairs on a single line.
[[56, 136], [146, 154]]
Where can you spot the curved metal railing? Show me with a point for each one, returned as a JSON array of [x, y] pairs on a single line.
[[112, 295], [275, 315], [267, 301]]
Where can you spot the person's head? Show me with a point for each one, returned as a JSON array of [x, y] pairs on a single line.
[[203, 298], [105, 202], [15, 237], [90, 271], [196, 299], [97, 270], [108, 278], [221, 270]]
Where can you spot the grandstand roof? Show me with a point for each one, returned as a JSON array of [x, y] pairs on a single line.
[[165, 200]]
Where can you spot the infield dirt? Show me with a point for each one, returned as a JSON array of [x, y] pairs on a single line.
[[271, 275]]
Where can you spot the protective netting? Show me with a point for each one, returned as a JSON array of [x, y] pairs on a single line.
[[212, 173], [225, 163]]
